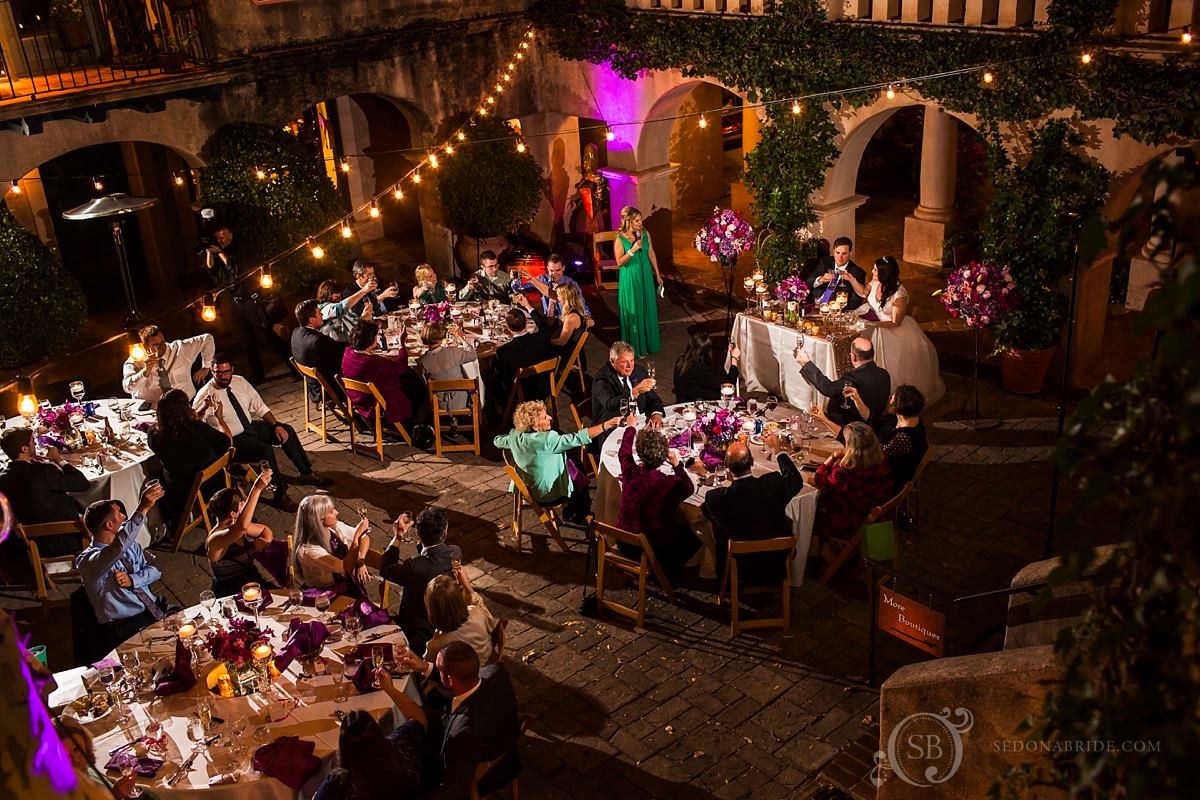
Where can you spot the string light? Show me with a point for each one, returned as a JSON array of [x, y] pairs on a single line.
[[1086, 58], [208, 308], [520, 56], [265, 280], [398, 193], [345, 165], [16, 186], [507, 77], [433, 160], [416, 177], [449, 149], [609, 133], [347, 231], [1186, 36], [137, 351], [260, 173], [179, 179], [524, 45], [499, 88], [483, 111], [462, 136], [796, 108], [520, 146], [891, 92], [703, 122], [491, 101], [317, 250], [374, 210], [97, 184], [988, 77]]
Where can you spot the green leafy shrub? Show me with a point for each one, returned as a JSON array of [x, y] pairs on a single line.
[[488, 188], [42, 307], [281, 210]]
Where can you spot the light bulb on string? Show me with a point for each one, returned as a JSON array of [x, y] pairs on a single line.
[[398, 193], [265, 280], [891, 92], [508, 77], [520, 146], [499, 88], [1187, 36], [703, 121], [609, 133], [97, 184], [433, 160], [208, 308], [373, 211], [1086, 58], [491, 101], [449, 149], [16, 186], [511, 66], [462, 136], [344, 165], [520, 56], [179, 181], [988, 77], [317, 250], [796, 108], [483, 111], [347, 231], [416, 177], [260, 173], [524, 45]]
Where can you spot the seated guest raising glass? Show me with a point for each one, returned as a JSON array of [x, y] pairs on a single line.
[[312, 348], [328, 551], [489, 282], [901, 433], [872, 382], [429, 288], [401, 389], [564, 329], [379, 301], [620, 380], [186, 445], [236, 537], [336, 317], [650, 499], [39, 491], [539, 455], [851, 483], [696, 378], [458, 614], [116, 572], [168, 365], [445, 362], [413, 575], [375, 764]]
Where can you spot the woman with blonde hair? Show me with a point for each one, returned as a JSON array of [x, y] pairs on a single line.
[[851, 483], [429, 288], [445, 362], [637, 282], [539, 454], [458, 614], [328, 550]]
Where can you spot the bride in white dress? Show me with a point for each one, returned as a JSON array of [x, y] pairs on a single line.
[[901, 347]]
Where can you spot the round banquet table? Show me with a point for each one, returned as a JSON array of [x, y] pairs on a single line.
[[800, 510], [125, 467], [311, 705]]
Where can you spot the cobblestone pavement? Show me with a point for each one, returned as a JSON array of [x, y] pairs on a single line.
[[679, 709]]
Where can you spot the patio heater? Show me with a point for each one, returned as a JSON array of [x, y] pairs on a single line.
[[114, 207]]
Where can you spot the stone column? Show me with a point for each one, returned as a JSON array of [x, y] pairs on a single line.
[[740, 197], [837, 217], [928, 225], [161, 239], [649, 190], [356, 140]]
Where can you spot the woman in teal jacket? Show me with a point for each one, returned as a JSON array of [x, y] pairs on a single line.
[[539, 454]]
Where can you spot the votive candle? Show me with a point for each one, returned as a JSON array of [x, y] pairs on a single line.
[[262, 651], [187, 630], [251, 594]]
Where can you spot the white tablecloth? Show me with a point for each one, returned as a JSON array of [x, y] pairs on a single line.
[[314, 721], [768, 364], [122, 476], [801, 510]]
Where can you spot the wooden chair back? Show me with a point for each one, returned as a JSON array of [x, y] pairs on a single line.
[[547, 514], [602, 266], [49, 570], [586, 457], [290, 569], [374, 560], [438, 389], [887, 511], [328, 394], [370, 389], [195, 509], [499, 636], [483, 767], [915, 494], [785, 546], [517, 393], [574, 362], [608, 555]]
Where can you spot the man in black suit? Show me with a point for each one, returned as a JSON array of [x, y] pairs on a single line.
[[753, 508], [620, 379], [528, 347], [869, 381], [414, 574], [314, 349], [380, 301], [38, 491], [829, 277]]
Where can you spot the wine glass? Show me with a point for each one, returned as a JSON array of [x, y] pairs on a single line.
[[77, 390], [378, 656], [353, 627], [399, 651], [262, 467], [295, 596], [321, 603], [772, 403], [721, 474], [752, 407], [339, 675], [132, 662], [847, 403], [228, 609], [349, 669], [208, 600], [651, 371], [128, 764], [362, 512]]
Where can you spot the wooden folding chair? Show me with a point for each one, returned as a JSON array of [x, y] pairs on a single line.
[[574, 362], [328, 395], [369, 388], [196, 503], [517, 393], [290, 572], [585, 455], [499, 637], [887, 511], [546, 513], [602, 266], [915, 494], [607, 554], [374, 560], [437, 389], [49, 570], [483, 767], [785, 546]]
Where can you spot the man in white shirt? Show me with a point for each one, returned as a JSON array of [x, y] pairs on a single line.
[[168, 365], [489, 282], [255, 429]]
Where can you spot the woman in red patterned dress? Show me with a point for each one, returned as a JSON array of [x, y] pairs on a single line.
[[851, 484]]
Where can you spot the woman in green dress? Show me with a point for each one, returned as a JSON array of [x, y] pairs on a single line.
[[636, 284]]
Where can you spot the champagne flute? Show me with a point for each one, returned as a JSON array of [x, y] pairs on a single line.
[[847, 403], [349, 669], [378, 656], [262, 467], [128, 764], [208, 600], [339, 675], [651, 371]]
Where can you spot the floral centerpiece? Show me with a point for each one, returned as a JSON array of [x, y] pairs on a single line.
[[59, 423], [980, 294], [718, 428], [234, 648], [793, 288], [725, 236], [437, 312]]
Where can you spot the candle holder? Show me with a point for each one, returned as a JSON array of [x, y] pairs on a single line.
[[252, 597], [726, 395]]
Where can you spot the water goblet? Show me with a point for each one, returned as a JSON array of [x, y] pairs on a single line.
[[353, 627], [208, 600], [77, 390], [128, 764], [349, 669], [321, 603]]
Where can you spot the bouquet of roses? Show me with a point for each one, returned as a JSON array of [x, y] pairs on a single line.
[[58, 419], [792, 287], [980, 294], [235, 646], [437, 312], [725, 236]]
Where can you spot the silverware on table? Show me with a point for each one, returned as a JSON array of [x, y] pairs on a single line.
[[191, 759]]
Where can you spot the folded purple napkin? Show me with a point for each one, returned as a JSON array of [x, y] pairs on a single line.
[[146, 767], [273, 558], [311, 595], [289, 759], [370, 614], [303, 638], [145, 426], [181, 678], [365, 677], [267, 600], [107, 662]]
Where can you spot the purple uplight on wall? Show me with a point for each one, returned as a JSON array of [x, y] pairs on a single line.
[[618, 101]]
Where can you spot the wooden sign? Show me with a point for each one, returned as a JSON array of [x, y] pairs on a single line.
[[911, 622]]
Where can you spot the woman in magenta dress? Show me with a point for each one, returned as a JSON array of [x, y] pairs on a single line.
[[650, 499], [400, 387]]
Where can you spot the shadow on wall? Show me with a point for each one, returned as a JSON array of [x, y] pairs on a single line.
[[699, 180]]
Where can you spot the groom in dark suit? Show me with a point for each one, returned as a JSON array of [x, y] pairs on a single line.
[[829, 276], [414, 574], [871, 381]]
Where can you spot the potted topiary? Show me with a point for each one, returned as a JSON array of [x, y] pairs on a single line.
[[69, 23]]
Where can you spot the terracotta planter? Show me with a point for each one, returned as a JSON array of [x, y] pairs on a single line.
[[73, 35], [1024, 371]]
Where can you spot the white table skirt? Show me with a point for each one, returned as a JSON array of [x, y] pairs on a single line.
[[768, 365], [314, 721], [801, 510]]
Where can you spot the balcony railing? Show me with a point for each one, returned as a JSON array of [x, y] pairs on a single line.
[[111, 43], [745, 7]]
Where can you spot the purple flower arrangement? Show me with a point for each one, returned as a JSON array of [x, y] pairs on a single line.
[[437, 312], [58, 419], [235, 646], [725, 236], [719, 428], [980, 294], [792, 287]]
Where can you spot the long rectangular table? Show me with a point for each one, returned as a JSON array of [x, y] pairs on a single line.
[[768, 364]]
